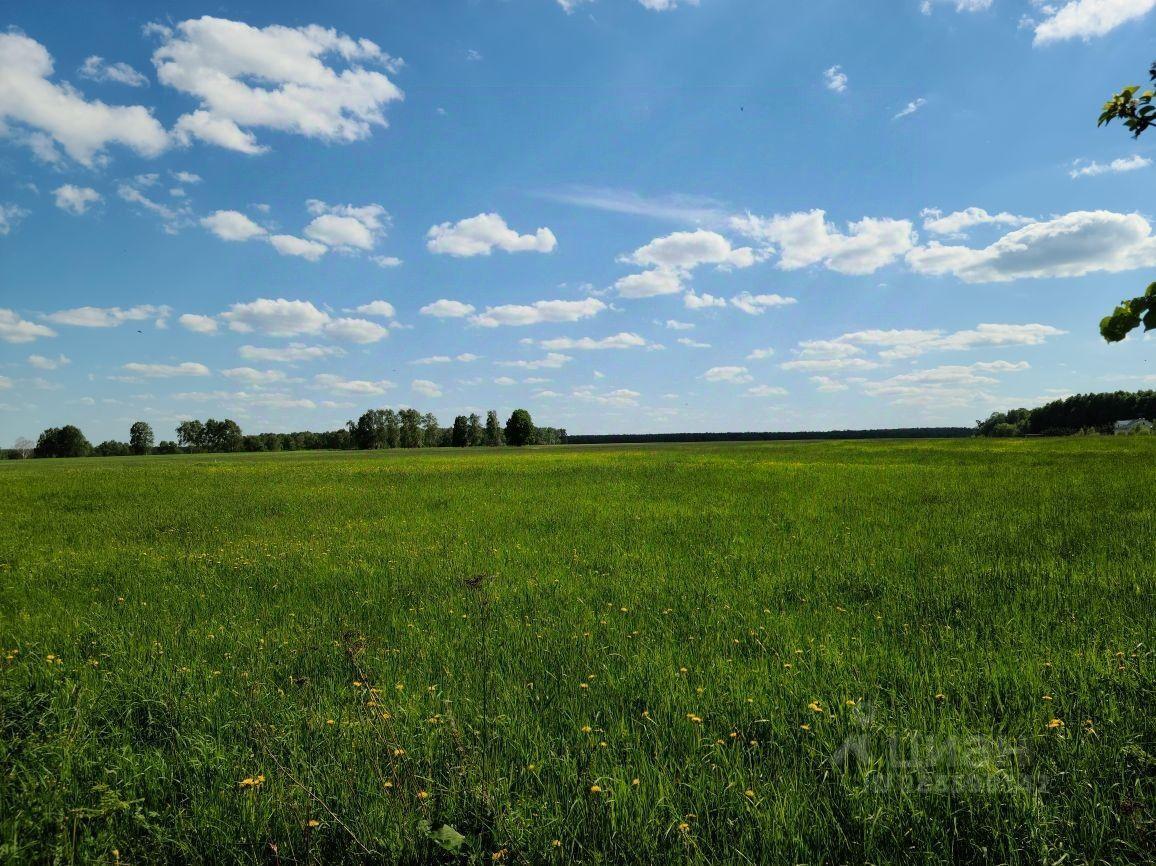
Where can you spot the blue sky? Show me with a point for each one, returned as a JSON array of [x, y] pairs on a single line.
[[625, 215]]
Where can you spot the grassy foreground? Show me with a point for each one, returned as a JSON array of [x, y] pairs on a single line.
[[764, 653]]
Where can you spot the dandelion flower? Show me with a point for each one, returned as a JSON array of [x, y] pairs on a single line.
[[683, 827], [749, 794], [1054, 724], [595, 789], [815, 707], [423, 795]]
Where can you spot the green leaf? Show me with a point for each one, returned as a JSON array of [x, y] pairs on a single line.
[[447, 837]]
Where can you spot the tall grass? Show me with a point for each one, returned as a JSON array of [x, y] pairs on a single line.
[[875, 652]]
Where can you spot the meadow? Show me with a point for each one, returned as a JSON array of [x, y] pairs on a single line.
[[837, 652]]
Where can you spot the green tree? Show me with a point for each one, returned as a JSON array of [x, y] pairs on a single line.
[[66, 441], [191, 434], [140, 438], [223, 435], [410, 423], [461, 435], [1136, 111], [493, 435], [392, 430], [476, 433], [520, 428], [431, 431], [112, 448], [370, 430]]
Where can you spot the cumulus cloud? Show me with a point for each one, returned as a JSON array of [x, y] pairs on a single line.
[[960, 5], [231, 225], [445, 309], [1084, 19], [676, 325], [692, 344], [382, 309], [426, 388], [248, 78], [952, 385], [957, 224], [10, 217], [835, 79], [346, 226], [1116, 166], [756, 305], [1077, 243], [94, 68], [45, 115], [806, 238], [480, 235], [284, 318], [291, 245], [767, 391], [198, 324], [14, 329], [538, 312], [108, 317], [734, 375], [40, 362], [75, 200], [693, 301], [254, 377], [649, 284], [624, 340], [331, 382], [294, 353], [760, 354], [552, 361], [685, 251], [910, 108], [166, 371]]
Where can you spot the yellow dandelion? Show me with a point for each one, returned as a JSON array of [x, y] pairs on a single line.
[[815, 707], [635, 783], [683, 827], [805, 727], [252, 781], [1054, 724], [423, 795], [586, 729], [557, 843], [749, 794], [312, 823], [595, 789]]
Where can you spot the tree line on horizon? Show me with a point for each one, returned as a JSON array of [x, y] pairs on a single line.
[[374, 429], [1081, 413]]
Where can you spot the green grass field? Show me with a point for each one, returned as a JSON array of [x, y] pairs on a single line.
[[872, 652]]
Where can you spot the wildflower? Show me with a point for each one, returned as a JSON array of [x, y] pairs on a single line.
[[583, 686], [749, 794], [1047, 697], [499, 855], [695, 719], [595, 789], [252, 781], [557, 843], [586, 729], [388, 783], [940, 697], [634, 783], [815, 707], [329, 722], [683, 827], [805, 727], [397, 753], [1054, 724], [423, 795], [312, 823], [850, 702]]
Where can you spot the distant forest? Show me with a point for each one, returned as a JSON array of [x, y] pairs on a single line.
[[1082, 413], [892, 433]]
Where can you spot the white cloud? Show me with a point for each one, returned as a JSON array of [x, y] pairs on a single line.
[[960, 5], [624, 340], [40, 362], [954, 385], [1083, 19], [806, 238], [445, 309], [355, 331], [685, 251], [346, 226], [252, 376], [734, 375], [14, 329], [59, 115], [761, 354], [291, 245], [95, 69], [676, 325], [552, 361], [277, 318], [386, 261], [957, 224], [383, 309], [294, 353], [897, 344], [538, 312], [835, 79], [910, 108], [1072, 245], [705, 301], [198, 324], [828, 385], [653, 5], [828, 365], [767, 391], [331, 382], [10, 217], [75, 199], [433, 359], [166, 371], [756, 305], [479, 235], [1116, 166], [692, 344], [649, 284], [505, 381], [231, 225], [186, 177], [107, 317], [275, 77], [426, 388], [173, 218]]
